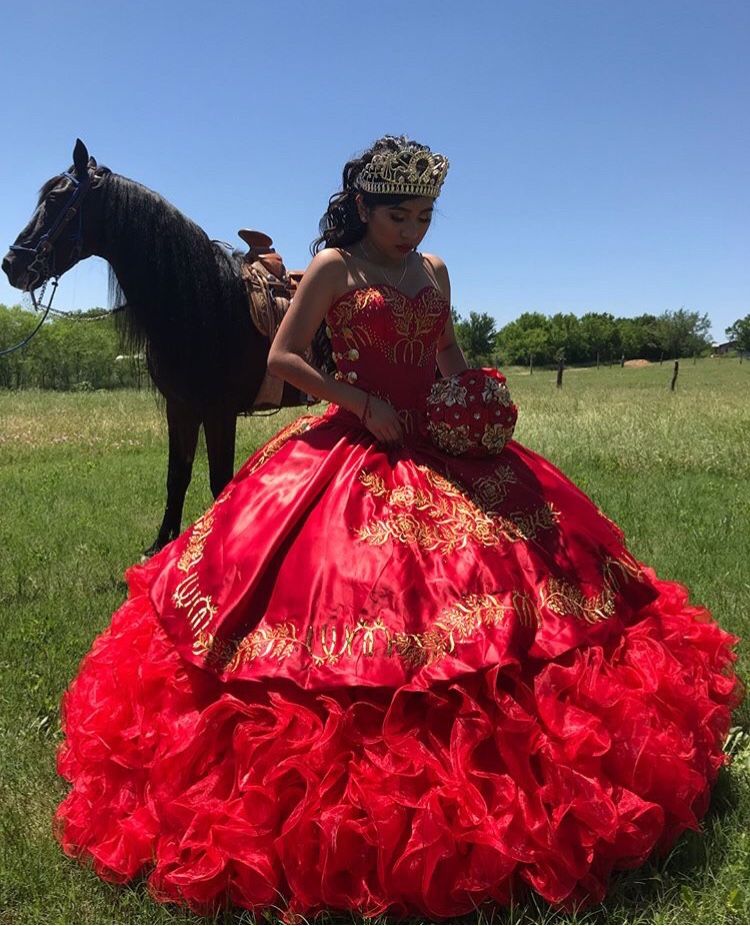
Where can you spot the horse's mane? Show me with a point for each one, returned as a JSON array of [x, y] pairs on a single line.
[[183, 295]]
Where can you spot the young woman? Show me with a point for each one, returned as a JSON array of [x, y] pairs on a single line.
[[389, 668]]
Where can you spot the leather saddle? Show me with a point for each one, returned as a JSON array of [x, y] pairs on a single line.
[[270, 288], [260, 251]]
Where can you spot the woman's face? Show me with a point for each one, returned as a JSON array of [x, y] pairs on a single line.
[[396, 230]]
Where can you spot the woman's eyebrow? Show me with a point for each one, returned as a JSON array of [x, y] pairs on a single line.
[[404, 209]]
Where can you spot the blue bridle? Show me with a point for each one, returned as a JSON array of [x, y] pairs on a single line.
[[44, 248], [39, 264]]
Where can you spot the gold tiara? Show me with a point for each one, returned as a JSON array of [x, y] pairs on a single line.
[[411, 171]]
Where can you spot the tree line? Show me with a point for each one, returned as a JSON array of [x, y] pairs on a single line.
[[596, 337], [81, 351], [77, 352]]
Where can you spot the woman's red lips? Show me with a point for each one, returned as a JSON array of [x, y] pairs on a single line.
[[404, 248]]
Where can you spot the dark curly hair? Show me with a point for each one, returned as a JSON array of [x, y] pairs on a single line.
[[341, 225]]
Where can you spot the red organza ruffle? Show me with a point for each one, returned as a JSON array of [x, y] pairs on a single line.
[[548, 775]]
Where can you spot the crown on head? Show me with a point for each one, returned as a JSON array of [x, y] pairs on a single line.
[[411, 170]]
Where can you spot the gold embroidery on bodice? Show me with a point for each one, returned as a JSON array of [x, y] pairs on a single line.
[[376, 328]]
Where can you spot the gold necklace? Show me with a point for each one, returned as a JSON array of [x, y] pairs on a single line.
[[382, 269]]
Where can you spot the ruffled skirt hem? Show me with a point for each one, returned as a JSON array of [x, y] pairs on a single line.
[[547, 775]]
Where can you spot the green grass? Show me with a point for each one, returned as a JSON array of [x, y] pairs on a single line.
[[81, 494]]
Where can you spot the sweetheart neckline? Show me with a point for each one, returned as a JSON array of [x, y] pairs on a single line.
[[357, 289]]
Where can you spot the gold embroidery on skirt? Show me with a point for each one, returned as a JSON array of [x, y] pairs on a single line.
[[526, 609], [456, 624], [566, 599], [490, 491], [193, 552], [326, 645], [277, 442], [200, 608], [530, 523], [188, 595], [322, 645], [439, 516], [617, 571]]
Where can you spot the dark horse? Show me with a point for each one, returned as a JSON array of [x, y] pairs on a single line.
[[185, 303]]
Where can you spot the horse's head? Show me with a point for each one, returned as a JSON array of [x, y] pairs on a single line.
[[64, 227]]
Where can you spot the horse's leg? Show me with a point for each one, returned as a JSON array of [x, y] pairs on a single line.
[[183, 424], [220, 428]]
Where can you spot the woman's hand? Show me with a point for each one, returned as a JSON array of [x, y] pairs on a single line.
[[382, 421]]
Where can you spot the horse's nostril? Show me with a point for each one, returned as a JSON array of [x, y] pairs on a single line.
[[7, 263]]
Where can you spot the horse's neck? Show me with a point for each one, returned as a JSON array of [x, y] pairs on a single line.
[[139, 251]]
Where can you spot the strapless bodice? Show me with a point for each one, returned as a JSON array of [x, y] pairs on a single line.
[[385, 342]]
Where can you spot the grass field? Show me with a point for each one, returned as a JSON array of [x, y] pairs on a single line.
[[81, 494]]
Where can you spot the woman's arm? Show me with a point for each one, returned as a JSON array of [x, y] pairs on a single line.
[[324, 278], [450, 358]]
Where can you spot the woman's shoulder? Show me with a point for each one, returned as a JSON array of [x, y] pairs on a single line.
[[436, 269], [437, 263], [328, 257], [327, 267]]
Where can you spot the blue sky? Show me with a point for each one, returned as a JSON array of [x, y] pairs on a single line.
[[598, 148]]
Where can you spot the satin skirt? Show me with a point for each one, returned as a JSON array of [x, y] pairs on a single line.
[[388, 697]]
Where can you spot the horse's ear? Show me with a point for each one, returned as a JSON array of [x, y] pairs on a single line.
[[80, 158], [92, 163]]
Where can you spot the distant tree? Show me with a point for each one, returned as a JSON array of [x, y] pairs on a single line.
[[15, 325], [476, 337], [566, 338], [639, 337], [525, 340], [599, 335], [538, 347], [683, 333], [740, 332]]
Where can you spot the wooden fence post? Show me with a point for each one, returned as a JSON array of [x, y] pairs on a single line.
[[674, 375], [560, 368]]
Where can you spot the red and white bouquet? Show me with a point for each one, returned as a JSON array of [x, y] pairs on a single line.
[[471, 413]]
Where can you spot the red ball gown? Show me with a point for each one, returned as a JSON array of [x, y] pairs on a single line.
[[372, 678]]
